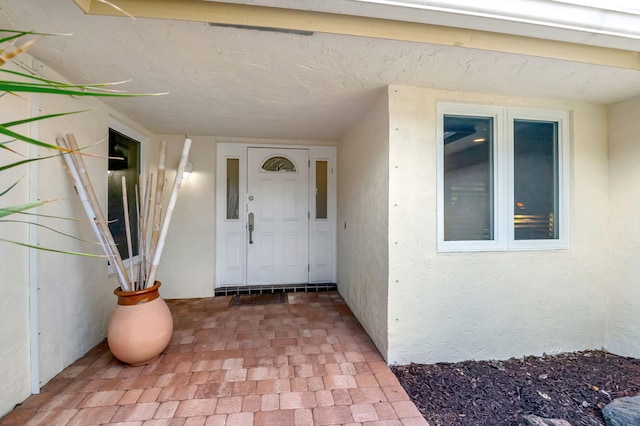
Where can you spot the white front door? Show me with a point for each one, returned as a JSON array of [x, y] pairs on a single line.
[[277, 216]]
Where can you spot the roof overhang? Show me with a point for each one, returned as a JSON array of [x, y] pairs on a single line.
[[526, 38]]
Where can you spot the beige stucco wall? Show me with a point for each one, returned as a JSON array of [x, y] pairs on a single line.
[[187, 268], [458, 306], [14, 272], [623, 335], [75, 293], [75, 297], [363, 220]]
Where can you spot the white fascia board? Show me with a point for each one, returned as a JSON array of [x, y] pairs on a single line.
[[610, 24], [627, 6]]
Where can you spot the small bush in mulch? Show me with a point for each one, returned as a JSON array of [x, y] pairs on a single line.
[[572, 386]]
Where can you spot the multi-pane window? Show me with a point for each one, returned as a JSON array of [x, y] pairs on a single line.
[[503, 178]]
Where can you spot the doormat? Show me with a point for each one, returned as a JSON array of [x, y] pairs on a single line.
[[257, 299]]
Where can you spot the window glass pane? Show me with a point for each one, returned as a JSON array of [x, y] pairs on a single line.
[[468, 178], [233, 188], [321, 189], [278, 164], [126, 164], [535, 180]]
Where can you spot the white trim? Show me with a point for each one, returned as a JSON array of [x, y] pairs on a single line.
[[498, 236], [624, 6], [328, 225], [562, 118], [230, 151], [605, 19], [608, 24], [503, 172]]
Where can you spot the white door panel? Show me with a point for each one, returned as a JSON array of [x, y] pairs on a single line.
[[233, 250], [278, 247]]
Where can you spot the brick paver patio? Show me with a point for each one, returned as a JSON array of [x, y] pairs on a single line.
[[306, 362]]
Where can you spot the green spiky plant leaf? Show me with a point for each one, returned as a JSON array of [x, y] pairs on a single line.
[[28, 83]]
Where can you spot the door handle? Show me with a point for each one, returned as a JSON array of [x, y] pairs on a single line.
[[250, 228]]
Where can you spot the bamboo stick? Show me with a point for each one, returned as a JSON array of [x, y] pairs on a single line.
[[78, 164], [170, 206], [140, 224], [86, 205], [157, 215], [148, 194], [90, 211], [153, 247], [127, 224]]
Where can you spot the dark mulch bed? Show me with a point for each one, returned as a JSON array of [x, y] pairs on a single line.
[[573, 386]]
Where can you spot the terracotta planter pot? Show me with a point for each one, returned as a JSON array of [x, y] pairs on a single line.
[[141, 326]]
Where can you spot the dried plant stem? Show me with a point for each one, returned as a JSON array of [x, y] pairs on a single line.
[[170, 206], [145, 219], [70, 167], [118, 8], [6, 57], [157, 214], [75, 164], [127, 224], [149, 213], [140, 234]]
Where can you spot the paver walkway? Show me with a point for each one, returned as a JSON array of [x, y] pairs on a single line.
[[307, 362]]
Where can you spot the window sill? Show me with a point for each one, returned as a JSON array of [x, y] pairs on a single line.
[[530, 246]]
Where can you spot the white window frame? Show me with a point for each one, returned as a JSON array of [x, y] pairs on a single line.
[[503, 174]]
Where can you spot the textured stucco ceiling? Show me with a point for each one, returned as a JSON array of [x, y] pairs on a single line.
[[247, 83]]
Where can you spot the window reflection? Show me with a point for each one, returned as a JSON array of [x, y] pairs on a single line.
[[321, 189], [468, 178], [535, 188], [233, 188], [124, 160]]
